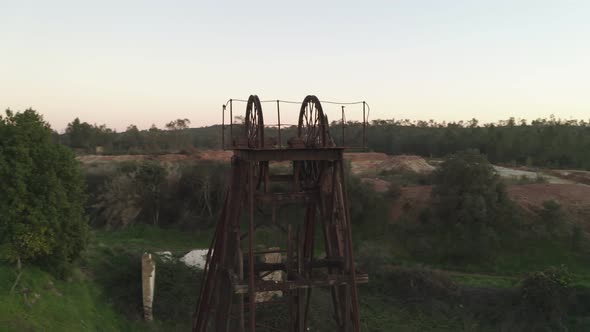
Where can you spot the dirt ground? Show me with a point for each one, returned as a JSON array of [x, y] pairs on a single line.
[[411, 201], [210, 155], [572, 175], [373, 162], [573, 198], [366, 162], [516, 173], [571, 193], [378, 185]]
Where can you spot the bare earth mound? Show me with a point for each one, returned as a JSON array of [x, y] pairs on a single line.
[[411, 201], [377, 184], [373, 162], [573, 198], [572, 175], [212, 155]]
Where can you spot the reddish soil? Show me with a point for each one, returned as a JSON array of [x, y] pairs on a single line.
[[215, 155], [212, 155], [363, 156], [372, 162], [379, 185], [411, 201], [572, 175], [573, 198]]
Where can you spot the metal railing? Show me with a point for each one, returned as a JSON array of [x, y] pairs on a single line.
[[236, 130]]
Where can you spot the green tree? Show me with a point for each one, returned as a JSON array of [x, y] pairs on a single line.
[[552, 220], [470, 203], [201, 190], [80, 134], [131, 141], [41, 197], [176, 127], [150, 180], [154, 142]]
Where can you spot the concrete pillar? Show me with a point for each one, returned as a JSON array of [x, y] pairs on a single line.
[[148, 278]]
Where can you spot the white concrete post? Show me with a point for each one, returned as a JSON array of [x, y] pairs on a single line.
[[148, 278]]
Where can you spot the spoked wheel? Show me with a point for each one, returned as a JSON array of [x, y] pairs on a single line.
[[312, 128], [254, 123], [255, 137], [313, 132]]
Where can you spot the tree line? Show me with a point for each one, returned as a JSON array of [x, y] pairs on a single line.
[[551, 142], [91, 138]]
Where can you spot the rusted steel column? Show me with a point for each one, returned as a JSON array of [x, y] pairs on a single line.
[[291, 297], [279, 121], [364, 127], [300, 273], [241, 296], [343, 125], [223, 127], [310, 215], [251, 284], [353, 286]]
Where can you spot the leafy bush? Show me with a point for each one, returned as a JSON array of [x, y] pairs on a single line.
[[150, 182], [147, 192], [544, 295], [366, 205], [176, 291], [552, 220], [117, 204], [118, 272], [42, 195], [470, 205], [406, 178], [201, 193], [417, 284]]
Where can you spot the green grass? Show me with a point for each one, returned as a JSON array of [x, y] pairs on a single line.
[[477, 280], [85, 301], [73, 305], [102, 293], [380, 312], [534, 255], [151, 238]]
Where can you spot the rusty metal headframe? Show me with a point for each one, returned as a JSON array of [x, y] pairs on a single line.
[[235, 277], [310, 106]]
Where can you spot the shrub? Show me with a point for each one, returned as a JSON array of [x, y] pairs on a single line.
[[42, 195], [118, 272], [544, 295], [366, 205], [471, 205], [552, 220], [418, 284], [176, 291], [200, 193]]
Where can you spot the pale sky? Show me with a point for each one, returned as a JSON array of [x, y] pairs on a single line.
[[144, 62]]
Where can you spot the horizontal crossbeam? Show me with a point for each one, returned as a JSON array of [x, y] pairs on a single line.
[[289, 154], [273, 285]]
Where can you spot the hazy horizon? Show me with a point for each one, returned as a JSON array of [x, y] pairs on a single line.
[[149, 62]]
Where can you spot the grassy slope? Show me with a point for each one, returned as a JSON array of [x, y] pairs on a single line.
[[83, 304], [80, 303], [73, 305]]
